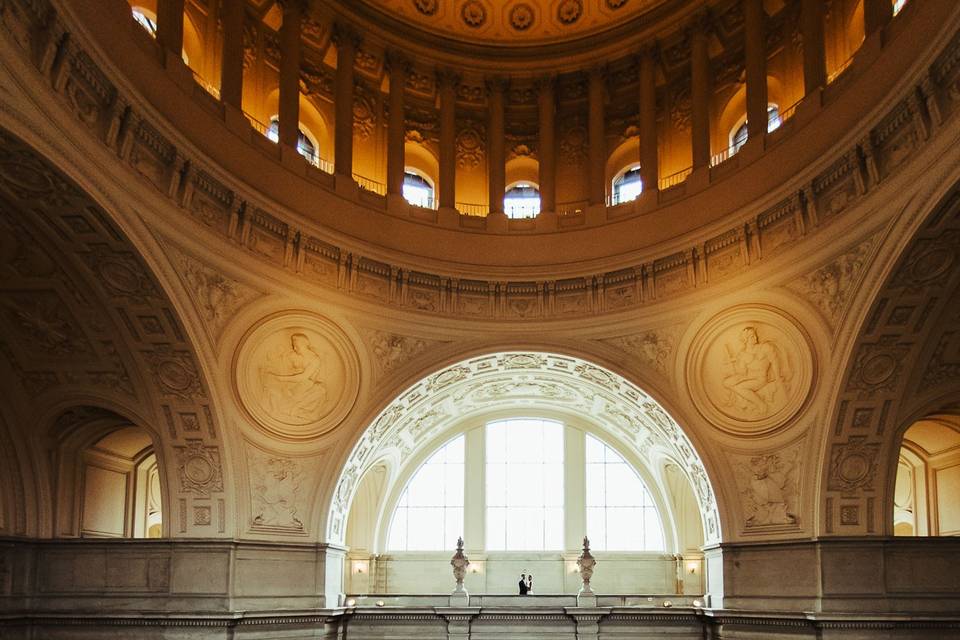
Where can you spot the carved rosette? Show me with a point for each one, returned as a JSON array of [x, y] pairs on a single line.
[[750, 370], [297, 375]]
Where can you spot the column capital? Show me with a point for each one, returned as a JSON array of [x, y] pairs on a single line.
[[346, 36], [701, 24], [545, 83], [496, 84], [396, 61], [447, 78], [649, 50]]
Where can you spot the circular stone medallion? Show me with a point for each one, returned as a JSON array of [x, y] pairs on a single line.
[[749, 370], [297, 375]]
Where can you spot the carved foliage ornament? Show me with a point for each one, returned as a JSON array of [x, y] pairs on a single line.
[[750, 370], [276, 493], [473, 13], [769, 488]]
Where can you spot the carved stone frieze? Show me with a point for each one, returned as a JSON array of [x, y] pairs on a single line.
[[277, 494], [174, 371], [216, 296], [831, 286], [853, 465], [654, 348], [199, 468], [769, 488], [878, 366], [391, 351]]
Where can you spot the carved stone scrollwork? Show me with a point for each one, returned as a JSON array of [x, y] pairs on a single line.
[[199, 468], [769, 488]]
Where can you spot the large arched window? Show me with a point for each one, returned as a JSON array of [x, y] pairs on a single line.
[[429, 514], [738, 137], [305, 143], [621, 514], [417, 190], [524, 485], [627, 185], [146, 19], [522, 200]]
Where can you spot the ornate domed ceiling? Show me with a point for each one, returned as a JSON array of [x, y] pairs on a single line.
[[514, 22]]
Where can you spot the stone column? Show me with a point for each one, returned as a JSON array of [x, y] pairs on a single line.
[[876, 15], [170, 26], [347, 42], [814, 56], [649, 147], [447, 83], [231, 63], [596, 130], [548, 143], [756, 54], [496, 148], [700, 93], [396, 126], [289, 111]]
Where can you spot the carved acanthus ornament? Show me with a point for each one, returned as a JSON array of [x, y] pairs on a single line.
[[769, 488]]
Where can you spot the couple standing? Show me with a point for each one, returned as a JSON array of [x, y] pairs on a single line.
[[526, 584]]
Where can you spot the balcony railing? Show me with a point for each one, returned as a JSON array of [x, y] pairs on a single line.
[[471, 209], [674, 179], [210, 88], [371, 185]]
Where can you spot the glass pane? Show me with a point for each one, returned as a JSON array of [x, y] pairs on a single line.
[[453, 528], [623, 486], [596, 496], [425, 529], [594, 449], [624, 528], [552, 442], [653, 530], [426, 488], [454, 449], [496, 528], [398, 531], [453, 484], [496, 485], [496, 442], [597, 527], [553, 485]]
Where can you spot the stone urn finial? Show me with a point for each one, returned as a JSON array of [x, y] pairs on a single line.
[[459, 562], [585, 563]]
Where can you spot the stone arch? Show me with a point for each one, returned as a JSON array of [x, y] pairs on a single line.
[[75, 430], [904, 363], [438, 400], [88, 316]]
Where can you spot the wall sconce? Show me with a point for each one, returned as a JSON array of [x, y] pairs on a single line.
[[361, 566], [692, 567], [351, 602]]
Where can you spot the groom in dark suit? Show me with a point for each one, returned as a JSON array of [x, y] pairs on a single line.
[[523, 584]]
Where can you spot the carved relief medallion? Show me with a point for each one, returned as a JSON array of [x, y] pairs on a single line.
[[750, 370], [297, 375]]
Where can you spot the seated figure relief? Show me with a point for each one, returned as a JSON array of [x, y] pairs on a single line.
[[292, 386], [757, 378]]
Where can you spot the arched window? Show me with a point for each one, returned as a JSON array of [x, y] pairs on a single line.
[[898, 6], [522, 200], [627, 185], [417, 190], [524, 485], [621, 514], [738, 137], [305, 144], [146, 19], [430, 512]]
